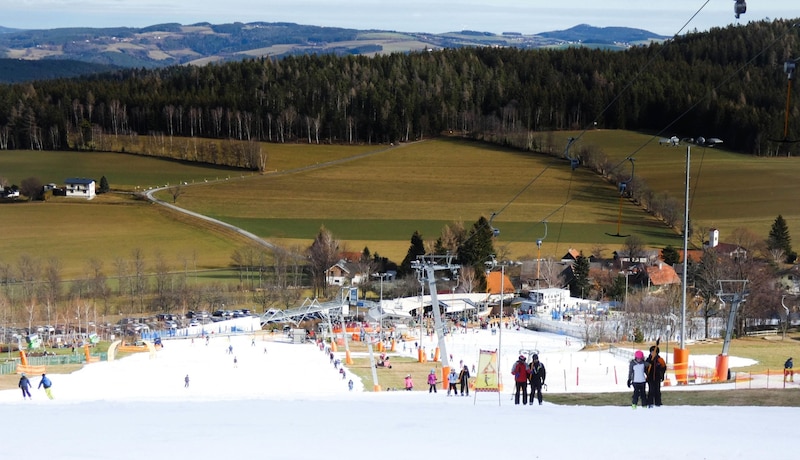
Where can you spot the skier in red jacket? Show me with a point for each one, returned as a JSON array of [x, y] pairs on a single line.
[[520, 371]]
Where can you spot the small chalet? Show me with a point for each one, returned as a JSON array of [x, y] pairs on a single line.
[[79, 187], [571, 256], [345, 272]]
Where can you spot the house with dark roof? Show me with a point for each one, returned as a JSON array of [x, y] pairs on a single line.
[[571, 255], [80, 187], [344, 273]]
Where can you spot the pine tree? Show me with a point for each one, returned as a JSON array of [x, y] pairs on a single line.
[[417, 248], [779, 238], [579, 284], [104, 187], [670, 255]]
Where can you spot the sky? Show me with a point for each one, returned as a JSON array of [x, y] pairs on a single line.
[[665, 17], [284, 400]]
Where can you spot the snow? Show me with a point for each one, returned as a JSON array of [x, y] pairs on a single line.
[[290, 402]]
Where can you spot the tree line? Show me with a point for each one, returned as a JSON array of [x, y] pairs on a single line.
[[727, 83]]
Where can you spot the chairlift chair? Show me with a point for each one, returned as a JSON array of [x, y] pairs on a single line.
[[739, 8]]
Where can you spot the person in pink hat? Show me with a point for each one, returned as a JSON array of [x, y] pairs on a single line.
[[637, 377]]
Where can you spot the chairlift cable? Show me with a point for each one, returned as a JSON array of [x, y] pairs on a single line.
[[613, 101]]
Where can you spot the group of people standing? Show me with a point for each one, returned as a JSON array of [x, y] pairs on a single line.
[[461, 378], [525, 374], [649, 372]]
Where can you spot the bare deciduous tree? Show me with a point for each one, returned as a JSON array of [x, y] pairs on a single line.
[[322, 254]]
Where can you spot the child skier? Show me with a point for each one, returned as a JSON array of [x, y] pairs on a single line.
[[409, 383], [452, 379], [432, 381], [637, 378]]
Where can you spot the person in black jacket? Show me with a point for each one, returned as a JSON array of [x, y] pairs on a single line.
[[537, 375], [463, 378], [655, 368], [788, 371]]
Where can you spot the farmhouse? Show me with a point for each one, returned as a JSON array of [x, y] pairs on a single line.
[[344, 273], [79, 187], [661, 275]]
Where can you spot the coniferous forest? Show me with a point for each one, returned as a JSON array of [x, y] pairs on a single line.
[[728, 83]]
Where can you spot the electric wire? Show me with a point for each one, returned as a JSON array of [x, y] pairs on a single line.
[[603, 111]]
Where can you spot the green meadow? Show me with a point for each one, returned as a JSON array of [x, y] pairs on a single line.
[[378, 195], [381, 199]]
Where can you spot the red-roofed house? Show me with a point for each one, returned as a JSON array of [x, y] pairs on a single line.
[[493, 282], [661, 274]]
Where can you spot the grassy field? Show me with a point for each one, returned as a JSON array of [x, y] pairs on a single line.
[[727, 190], [379, 200]]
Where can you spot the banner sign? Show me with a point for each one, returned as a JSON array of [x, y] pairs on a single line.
[[487, 378]]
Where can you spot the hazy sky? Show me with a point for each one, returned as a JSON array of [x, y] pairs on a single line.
[[665, 17]]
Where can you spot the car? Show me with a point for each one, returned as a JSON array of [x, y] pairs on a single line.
[[194, 323]]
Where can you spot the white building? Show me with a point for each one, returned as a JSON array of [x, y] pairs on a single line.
[[79, 187], [546, 301]]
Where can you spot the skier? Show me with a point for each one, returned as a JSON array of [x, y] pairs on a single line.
[[46, 383], [432, 381], [537, 376], [230, 349], [452, 379], [637, 378], [463, 378], [350, 385], [25, 385], [520, 371], [341, 371], [409, 383], [235, 362], [655, 369], [186, 381], [788, 370]]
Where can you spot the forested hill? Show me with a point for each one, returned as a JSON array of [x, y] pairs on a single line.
[[162, 45], [726, 83], [16, 70]]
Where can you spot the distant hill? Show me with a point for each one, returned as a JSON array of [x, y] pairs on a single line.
[[170, 44], [17, 70], [585, 33]]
